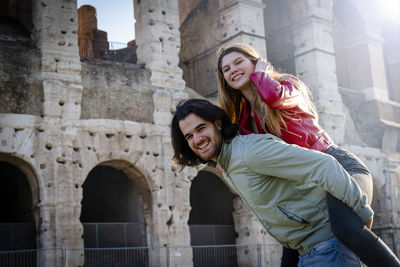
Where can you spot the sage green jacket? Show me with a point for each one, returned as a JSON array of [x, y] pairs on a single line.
[[285, 186]]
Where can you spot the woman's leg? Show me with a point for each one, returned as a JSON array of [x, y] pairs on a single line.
[[347, 226], [355, 167], [351, 231], [290, 257]]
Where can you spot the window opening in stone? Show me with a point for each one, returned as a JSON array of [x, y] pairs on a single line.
[[17, 225], [15, 20], [112, 217], [210, 221], [115, 44]]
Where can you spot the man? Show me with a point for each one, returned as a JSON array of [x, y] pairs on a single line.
[[284, 185]]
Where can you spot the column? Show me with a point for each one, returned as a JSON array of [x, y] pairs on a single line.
[[158, 41], [315, 62], [243, 22], [55, 34], [158, 45], [366, 66]]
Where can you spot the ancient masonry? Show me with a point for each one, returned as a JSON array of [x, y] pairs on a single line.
[[66, 111]]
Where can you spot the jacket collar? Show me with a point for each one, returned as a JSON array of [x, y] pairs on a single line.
[[223, 157], [225, 154], [244, 120]]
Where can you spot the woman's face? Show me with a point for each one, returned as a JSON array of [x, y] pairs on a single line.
[[236, 69]]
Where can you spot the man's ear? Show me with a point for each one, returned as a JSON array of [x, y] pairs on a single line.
[[218, 124]]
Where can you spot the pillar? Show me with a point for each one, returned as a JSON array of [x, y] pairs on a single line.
[[55, 30], [315, 61], [243, 22]]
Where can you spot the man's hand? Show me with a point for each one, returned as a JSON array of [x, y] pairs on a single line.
[[263, 66], [368, 223]]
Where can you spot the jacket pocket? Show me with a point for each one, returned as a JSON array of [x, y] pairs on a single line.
[[292, 216]]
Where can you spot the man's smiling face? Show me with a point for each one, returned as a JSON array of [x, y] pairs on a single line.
[[204, 137]]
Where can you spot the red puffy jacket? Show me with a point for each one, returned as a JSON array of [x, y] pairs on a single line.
[[303, 129]]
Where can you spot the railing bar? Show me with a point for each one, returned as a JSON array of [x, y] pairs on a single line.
[[215, 255]]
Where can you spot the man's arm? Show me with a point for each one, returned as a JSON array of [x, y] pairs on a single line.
[[268, 155]]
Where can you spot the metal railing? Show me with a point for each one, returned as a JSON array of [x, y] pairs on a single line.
[[91, 48], [114, 234], [119, 257], [33, 257], [17, 236], [257, 255], [105, 44]]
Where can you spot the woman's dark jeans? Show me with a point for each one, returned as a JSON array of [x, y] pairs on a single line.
[[346, 225]]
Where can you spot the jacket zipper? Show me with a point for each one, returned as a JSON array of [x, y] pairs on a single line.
[[293, 133]]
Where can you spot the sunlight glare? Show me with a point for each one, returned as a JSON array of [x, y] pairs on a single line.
[[390, 10]]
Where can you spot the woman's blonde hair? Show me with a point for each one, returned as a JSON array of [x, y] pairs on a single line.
[[232, 100]]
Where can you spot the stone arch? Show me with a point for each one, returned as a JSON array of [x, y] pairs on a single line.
[[347, 24], [349, 17], [30, 173], [19, 11], [122, 161], [136, 189], [25, 187], [278, 20], [366, 9]]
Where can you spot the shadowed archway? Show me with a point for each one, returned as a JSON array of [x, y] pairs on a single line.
[[17, 223], [211, 221]]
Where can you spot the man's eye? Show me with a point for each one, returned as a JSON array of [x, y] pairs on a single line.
[[188, 137]]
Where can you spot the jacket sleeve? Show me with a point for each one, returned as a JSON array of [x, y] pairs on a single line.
[[277, 95], [270, 156]]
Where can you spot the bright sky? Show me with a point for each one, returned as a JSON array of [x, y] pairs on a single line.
[[115, 17], [390, 10]]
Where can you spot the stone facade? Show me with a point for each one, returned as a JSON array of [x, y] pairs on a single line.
[[61, 117]]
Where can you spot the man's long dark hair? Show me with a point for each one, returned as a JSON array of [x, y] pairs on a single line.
[[183, 155]]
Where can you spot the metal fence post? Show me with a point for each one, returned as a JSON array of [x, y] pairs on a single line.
[[63, 257], [259, 254], [167, 256]]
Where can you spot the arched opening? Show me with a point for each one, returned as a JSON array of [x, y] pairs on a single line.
[[16, 18], [211, 221], [347, 24], [278, 24], [113, 216], [17, 223]]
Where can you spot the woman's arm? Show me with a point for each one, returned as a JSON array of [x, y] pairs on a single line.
[[276, 94]]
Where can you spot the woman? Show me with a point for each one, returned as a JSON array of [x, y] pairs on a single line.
[[262, 100]]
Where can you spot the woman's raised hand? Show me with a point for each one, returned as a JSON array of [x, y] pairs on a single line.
[[263, 66]]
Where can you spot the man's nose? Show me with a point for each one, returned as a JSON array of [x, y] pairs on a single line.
[[197, 138]]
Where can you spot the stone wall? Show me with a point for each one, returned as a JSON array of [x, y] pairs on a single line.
[[113, 90], [20, 82], [63, 116]]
